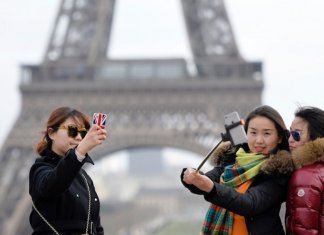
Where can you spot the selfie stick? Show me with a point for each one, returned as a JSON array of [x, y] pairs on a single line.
[[225, 137], [208, 155]]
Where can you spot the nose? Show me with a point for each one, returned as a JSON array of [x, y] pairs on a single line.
[[291, 139], [259, 139], [78, 137]]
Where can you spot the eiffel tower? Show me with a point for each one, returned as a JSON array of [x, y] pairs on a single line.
[[150, 101]]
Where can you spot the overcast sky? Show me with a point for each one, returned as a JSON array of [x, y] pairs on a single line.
[[287, 36]]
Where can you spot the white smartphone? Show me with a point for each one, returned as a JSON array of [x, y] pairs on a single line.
[[235, 129]]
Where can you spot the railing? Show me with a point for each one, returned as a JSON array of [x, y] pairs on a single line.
[[141, 69]]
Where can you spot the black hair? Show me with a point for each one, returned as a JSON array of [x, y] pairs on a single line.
[[272, 114], [315, 119]]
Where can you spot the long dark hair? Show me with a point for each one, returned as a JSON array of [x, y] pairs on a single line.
[[57, 117], [315, 119], [273, 115]]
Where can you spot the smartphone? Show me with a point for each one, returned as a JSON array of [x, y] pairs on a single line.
[[234, 129], [99, 119]]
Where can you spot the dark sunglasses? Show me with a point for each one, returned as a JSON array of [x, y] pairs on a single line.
[[295, 135], [74, 130]]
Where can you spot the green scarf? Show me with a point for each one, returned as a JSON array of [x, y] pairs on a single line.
[[218, 220]]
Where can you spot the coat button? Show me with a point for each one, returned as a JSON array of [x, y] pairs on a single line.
[[77, 195]]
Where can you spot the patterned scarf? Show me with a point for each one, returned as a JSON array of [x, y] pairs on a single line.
[[218, 220]]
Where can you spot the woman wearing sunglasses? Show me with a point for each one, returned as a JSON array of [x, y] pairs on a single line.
[[305, 200], [63, 195], [248, 184]]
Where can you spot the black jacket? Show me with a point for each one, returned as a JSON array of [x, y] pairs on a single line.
[[59, 192], [260, 204]]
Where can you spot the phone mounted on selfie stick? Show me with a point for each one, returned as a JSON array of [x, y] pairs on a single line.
[[235, 133], [227, 136]]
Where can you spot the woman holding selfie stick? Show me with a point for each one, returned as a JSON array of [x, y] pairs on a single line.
[[63, 195], [248, 185]]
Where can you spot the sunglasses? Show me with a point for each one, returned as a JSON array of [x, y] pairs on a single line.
[[295, 135], [74, 130]]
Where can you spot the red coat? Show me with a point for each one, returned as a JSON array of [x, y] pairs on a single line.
[[305, 199]]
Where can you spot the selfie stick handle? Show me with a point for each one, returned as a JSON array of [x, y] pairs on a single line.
[[208, 155]]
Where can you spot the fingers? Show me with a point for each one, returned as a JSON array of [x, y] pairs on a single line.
[[189, 175], [95, 137], [191, 171], [95, 127], [98, 133]]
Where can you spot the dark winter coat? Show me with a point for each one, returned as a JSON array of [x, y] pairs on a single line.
[[59, 192], [305, 200], [261, 203]]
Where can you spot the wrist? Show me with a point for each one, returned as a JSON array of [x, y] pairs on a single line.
[[80, 150], [207, 185], [210, 186], [80, 157]]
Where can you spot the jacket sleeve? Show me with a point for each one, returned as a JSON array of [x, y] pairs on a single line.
[[100, 229], [47, 181], [257, 199]]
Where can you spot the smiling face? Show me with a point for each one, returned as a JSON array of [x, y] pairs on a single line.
[[262, 135], [301, 126], [61, 141]]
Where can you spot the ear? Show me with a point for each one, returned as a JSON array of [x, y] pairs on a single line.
[[280, 140], [50, 133]]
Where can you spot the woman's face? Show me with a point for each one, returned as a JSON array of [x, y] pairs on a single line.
[[61, 141], [300, 126], [262, 135]]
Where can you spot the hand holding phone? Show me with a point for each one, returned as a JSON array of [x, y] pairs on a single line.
[[95, 136], [100, 119]]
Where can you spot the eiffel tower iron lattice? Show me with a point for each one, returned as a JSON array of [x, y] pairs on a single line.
[[151, 102]]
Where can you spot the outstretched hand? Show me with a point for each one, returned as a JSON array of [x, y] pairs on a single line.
[[95, 136], [191, 176]]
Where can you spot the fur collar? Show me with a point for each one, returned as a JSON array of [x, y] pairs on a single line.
[[309, 153], [279, 163], [223, 148]]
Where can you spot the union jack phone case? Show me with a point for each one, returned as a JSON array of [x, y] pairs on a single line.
[[99, 119]]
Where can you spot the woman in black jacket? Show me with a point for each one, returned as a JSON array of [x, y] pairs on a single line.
[[63, 195], [247, 185]]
